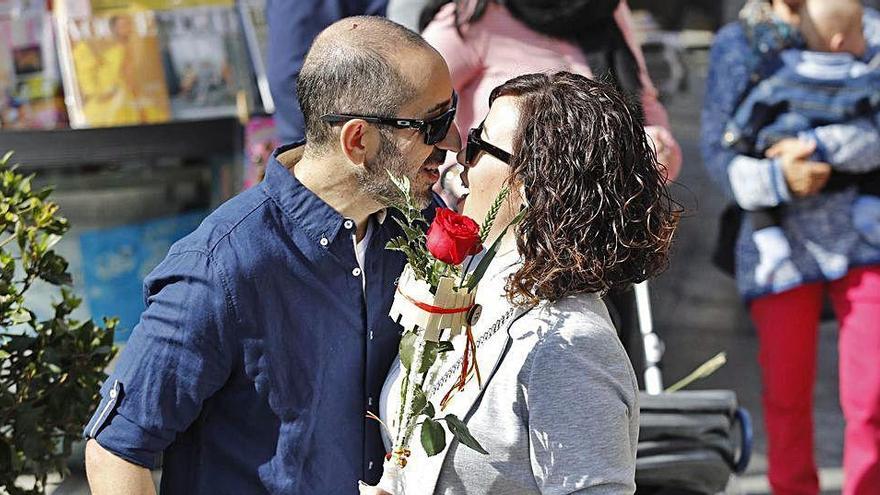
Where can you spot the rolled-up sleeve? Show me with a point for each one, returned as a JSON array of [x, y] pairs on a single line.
[[177, 356], [583, 414]]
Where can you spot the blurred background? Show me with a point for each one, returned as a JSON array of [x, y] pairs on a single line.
[[132, 179]]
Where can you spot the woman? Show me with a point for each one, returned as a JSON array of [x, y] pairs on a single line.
[[827, 251], [487, 42], [558, 409]]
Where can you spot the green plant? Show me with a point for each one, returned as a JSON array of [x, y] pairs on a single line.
[[50, 369]]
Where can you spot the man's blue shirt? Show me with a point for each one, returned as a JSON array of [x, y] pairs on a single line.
[[259, 351]]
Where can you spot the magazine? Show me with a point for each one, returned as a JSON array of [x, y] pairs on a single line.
[[256, 31], [30, 86], [111, 66], [205, 61]]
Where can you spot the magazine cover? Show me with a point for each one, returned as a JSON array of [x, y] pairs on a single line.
[[253, 18], [205, 61], [30, 86], [112, 66], [260, 140]]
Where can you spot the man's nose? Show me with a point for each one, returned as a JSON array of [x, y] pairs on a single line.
[[452, 140]]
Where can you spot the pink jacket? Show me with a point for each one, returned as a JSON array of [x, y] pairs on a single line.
[[499, 47]]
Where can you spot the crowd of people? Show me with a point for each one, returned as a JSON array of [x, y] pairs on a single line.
[[266, 335]]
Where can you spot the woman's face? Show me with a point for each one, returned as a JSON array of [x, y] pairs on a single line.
[[487, 174]]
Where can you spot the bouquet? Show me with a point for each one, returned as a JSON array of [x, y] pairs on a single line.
[[434, 302]]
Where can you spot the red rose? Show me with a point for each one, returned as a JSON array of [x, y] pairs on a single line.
[[453, 237]]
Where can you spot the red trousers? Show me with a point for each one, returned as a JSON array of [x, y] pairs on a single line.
[[787, 328]]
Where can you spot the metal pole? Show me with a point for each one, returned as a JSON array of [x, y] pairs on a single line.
[[653, 345]]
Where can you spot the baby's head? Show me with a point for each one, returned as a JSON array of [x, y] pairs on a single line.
[[833, 26]]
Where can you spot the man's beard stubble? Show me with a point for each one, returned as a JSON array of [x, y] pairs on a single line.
[[374, 178]]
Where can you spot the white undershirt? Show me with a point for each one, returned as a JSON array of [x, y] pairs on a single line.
[[360, 251]]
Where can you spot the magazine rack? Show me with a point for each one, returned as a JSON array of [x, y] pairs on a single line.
[[74, 148]]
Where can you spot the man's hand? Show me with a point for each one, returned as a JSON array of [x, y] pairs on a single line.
[[109, 474], [668, 152], [803, 177]]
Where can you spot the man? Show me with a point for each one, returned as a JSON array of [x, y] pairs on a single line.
[[293, 25], [266, 336]]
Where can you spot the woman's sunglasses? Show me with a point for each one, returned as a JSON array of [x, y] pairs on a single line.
[[434, 130], [475, 145]]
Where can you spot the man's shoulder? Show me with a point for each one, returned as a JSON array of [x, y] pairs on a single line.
[[232, 218]]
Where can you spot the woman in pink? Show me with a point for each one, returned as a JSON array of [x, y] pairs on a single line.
[[486, 43]]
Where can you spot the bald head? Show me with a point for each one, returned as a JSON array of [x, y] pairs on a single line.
[[833, 25], [356, 66]]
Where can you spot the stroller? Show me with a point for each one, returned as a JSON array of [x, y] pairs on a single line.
[[690, 442]]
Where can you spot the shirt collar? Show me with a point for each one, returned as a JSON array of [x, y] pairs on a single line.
[[297, 201]]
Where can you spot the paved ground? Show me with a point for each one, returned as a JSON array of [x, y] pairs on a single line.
[[699, 314]]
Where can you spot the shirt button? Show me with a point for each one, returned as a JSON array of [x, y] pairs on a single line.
[[325, 241], [370, 466], [369, 401], [356, 272], [113, 393], [348, 224]]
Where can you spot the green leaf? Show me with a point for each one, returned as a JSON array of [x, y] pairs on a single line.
[[53, 269], [20, 315], [433, 437], [481, 268], [407, 348], [419, 399], [445, 346], [429, 410], [429, 356], [461, 432]]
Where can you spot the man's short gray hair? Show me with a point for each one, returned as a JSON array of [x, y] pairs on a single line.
[[350, 69]]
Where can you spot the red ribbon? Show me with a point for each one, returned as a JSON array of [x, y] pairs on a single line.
[[469, 367], [437, 310]]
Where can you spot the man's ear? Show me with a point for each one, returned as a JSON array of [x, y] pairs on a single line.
[[351, 140]]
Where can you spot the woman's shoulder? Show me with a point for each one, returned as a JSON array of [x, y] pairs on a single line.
[[580, 322], [579, 342]]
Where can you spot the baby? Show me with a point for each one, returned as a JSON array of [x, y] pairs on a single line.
[[825, 84]]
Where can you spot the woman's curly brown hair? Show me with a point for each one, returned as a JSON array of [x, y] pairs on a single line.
[[599, 217]]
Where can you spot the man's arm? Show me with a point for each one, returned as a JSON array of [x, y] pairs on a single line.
[[110, 475], [179, 354]]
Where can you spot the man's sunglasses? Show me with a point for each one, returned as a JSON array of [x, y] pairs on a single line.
[[434, 130], [475, 145]]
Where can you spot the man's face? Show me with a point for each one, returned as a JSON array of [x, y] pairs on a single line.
[[403, 152]]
